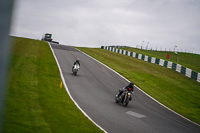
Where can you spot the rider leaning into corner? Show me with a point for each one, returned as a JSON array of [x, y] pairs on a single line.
[[129, 87], [76, 62]]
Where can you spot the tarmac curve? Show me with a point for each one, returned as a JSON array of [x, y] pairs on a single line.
[[94, 89]]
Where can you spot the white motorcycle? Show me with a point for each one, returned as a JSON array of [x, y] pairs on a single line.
[[75, 69]]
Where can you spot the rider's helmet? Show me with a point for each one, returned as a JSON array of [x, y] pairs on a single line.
[[131, 84], [78, 60]]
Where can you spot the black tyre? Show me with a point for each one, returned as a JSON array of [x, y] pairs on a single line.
[[116, 100], [126, 102]]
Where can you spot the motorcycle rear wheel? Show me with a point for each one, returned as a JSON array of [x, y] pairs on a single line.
[[116, 100]]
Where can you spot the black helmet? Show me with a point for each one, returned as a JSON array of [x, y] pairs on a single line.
[[77, 59], [131, 84]]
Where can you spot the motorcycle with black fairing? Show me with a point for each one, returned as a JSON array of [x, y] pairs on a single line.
[[124, 98]]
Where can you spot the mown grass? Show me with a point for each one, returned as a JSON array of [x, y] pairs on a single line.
[[189, 60], [34, 101], [171, 88]]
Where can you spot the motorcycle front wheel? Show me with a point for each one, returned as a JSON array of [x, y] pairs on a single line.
[[74, 73], [125, 103]]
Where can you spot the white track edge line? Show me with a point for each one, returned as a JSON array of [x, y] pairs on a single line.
[[66, 88], [142, 90]]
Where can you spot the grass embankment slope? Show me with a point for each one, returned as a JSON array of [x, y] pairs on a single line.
[[34, 101], [189, 60], [171, 88]]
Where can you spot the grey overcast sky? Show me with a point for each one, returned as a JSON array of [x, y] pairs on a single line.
[[91, 23]]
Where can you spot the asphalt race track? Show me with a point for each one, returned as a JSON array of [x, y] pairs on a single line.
[[94, 89]]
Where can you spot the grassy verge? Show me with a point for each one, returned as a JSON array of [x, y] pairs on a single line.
[[34, 101], [191, 61], [171, 88]]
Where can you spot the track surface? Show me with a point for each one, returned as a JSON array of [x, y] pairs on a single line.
[[94, 89]]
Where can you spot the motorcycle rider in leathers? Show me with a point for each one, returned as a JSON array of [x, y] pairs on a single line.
[[129, 87], [76, 62]]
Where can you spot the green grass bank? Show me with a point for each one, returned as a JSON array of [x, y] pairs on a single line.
[[35, 103], [189, 60], [169, 87]]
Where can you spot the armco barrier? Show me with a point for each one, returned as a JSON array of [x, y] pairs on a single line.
[[168, 64]]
